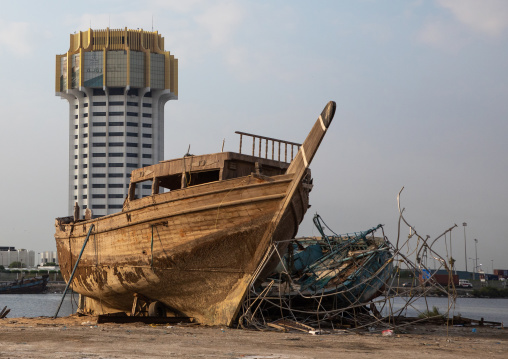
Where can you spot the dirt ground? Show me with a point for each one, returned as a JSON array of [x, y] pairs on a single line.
[[80, 337]]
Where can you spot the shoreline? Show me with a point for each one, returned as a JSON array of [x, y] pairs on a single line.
[[80, 336]]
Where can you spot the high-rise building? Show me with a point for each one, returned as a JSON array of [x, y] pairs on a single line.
[[117, 83]]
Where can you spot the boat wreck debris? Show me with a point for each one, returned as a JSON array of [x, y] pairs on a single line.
[[4, 312], [194, 246], [349, 282]]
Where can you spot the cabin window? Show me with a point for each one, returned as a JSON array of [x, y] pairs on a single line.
[[195, 178], [171, 183]]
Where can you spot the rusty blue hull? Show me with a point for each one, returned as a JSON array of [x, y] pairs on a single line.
[[25, 286]]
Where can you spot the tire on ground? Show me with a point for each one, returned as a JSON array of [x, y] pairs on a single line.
[[157, 309]]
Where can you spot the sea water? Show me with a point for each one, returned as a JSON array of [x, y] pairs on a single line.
[[493, 310], [38, 305]]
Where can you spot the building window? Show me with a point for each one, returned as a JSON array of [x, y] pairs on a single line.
[[98, 185], [85, 135], [75, 106], [76, 127], [115, 175], [116, 133], [85, 145], [99, 113], [132, 114], [114, 154], [75, 197], [132, 165], [85, 156], [85, 166], [147, 155], [130, 144], [98, 206], [85, 176], [115, 185], [116, 165], [98, 175], [75, 187], [132, 124], [75, 167], [98, 165], [147, 135], [75, 147], [115, 113], [115, 144], [85, 196], [116, 103], [116, 123], [99, 134], [99, 124], [75, 137], [99, 103], [147, 105], [98, 196], [132, 104], [75, 177], [147, 115], [132, 155], [99, 92], [115, 206], [85, 125], [98, 155], [147, 125], [114, 195], [132, 134], [147, 145], [85, 115], [86, 104], [76, 116], [99, 144], [85, 186], [146, 186], [116, 91], [75, 157]]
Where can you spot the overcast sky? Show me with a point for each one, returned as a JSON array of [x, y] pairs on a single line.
[[421, 90]]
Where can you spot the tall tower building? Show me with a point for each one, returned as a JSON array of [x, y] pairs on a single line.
[[117, 83]]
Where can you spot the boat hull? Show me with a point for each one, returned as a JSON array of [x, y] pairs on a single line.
[[26, 286], [190, 249]]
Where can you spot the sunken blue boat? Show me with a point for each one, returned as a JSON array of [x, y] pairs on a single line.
[[338, 271]]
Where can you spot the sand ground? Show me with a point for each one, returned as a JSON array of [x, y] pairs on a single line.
[[80, 337]]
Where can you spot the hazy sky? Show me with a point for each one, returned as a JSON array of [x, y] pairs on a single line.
[[421, 90]]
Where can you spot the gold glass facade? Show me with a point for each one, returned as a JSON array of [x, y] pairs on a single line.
[[116, 58]]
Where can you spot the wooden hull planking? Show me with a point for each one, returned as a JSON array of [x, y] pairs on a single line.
[[204, 240]]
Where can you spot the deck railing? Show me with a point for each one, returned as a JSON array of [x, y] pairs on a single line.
[[260, 139]]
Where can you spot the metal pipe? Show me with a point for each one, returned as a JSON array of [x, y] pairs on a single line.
[[74, 270], [465, 248]]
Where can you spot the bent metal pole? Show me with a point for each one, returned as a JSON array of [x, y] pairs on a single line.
[[74, 270]]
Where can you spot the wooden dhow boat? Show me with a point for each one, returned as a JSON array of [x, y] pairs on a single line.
[[193, 249]]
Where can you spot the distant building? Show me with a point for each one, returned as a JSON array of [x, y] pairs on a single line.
[[26, 257], [116, 83], [48, 257], [501, 273]]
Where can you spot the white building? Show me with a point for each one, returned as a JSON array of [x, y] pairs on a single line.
[[116, 83], [48, 257], [26, 257]]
